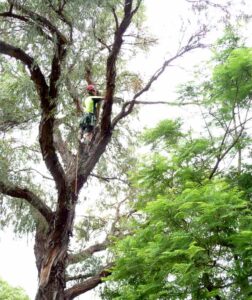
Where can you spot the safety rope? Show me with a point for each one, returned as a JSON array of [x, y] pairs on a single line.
[[76, 172]]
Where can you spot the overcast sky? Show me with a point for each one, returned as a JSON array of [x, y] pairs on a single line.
[[17, 263]]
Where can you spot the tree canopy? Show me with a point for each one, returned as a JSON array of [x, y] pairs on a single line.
[[191, 233]]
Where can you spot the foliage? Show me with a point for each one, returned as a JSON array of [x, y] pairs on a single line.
[[8, 292], [191, 235]]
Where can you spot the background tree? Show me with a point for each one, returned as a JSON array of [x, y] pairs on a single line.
[[8, 292], [48, 48], [190, 237]]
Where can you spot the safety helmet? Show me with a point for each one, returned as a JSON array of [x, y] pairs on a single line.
[[90, 88]]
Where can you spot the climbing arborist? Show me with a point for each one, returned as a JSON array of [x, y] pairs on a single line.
[[91, 107]]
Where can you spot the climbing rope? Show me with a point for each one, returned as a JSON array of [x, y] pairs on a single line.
[[76, 172]]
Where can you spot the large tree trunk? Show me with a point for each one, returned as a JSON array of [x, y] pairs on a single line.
[[54, 290], [50, 250]]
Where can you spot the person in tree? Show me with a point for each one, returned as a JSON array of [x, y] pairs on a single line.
[[91, 107]]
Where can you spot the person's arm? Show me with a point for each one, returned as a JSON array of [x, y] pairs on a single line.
[[97, 99], [97, 105]]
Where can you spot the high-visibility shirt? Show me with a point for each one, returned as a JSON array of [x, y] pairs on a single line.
[[90, 103]]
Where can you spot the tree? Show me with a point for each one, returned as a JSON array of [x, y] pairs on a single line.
[[8, 292], [48, 48], [191, 236]]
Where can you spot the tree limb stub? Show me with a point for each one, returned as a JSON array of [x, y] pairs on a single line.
[[30, 197]]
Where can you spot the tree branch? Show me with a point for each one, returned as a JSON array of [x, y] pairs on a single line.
[[61, 146], [36, 74], [9, 124], [17, 53], [78, 277], [48, 106], [30, 197], [111, 67], [99, 39], [75, 258], [9, 14], [102, 135], [107, 179], [220, 157], [193, 43], [88, 284], [44, 22], [62, 17], [165, 102], [74, 96], [28, 170], [116, 18]]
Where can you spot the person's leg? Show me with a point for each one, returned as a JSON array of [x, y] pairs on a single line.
[[88, 133], [82, 128]]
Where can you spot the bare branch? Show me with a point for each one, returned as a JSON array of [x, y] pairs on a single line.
[[116, 18], [199, 4], [78, 277], [117, 216], [75, 258], [88, 284], [165, 102], [33, 170], [107, 179], [30, 197], [137, 7], [222, 156], [193, 43], [59, 55]]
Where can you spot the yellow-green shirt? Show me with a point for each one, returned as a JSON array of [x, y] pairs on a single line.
[[90, 102]]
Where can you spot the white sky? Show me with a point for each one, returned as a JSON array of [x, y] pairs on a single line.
[[17, 263]]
